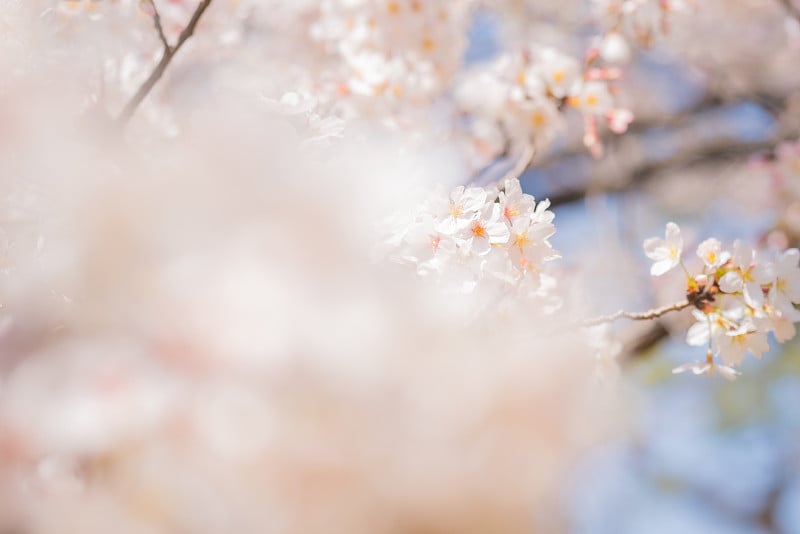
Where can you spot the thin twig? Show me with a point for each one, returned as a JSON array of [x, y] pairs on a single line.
[[158, 25], [640, 316], [169, 52]]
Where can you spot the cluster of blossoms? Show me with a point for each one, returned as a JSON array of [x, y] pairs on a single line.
[[738, 297], [78, 8], [392, 50], [520, 99], [173, 14], [478, 235]]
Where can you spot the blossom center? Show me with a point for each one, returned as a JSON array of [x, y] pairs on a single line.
[[479, 230]]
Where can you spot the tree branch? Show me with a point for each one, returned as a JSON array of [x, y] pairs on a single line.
[[521, 165], [169, 52], [640, 316], [638, 175], [791, 9], [159, 27]]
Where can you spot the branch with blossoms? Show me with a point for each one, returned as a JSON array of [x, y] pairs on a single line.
[[739, 296], [168, 53], [478, 238], [712, 102], [522, 96], [781, 166]]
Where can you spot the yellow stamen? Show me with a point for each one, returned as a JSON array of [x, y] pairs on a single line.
[[428, 44], [520, 240], [478, 230], [538, 119]]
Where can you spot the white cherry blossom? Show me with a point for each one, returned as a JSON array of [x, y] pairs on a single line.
[[462, 209], [710, 251], [747, 276], [785, 288], [594, 98], [665, 252], [734, 344], [514, 202], [708, 368], [559, 71], [487, 230]]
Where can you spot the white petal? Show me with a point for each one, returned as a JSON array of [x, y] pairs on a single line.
[[728, 372], [481, 246], [731, 282], [673, 235], [732, 353], [663, 266], [655, 248], [698, 334], [757, 344], [753, 294], [742, 254], [695, 367], [784, 330]]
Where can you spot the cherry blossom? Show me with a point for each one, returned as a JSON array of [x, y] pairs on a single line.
[[665, 252], [710, 252], [733, 344], [475, 235], [738, 299], [747, 276], [785, 288], [708, 367]]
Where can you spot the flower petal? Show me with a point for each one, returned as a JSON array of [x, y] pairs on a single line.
[[662, 266], [731, 282]]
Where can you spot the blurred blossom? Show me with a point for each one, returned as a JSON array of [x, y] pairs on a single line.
[[195, 339]]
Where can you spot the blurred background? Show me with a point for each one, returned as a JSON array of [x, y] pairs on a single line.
[[210, 167]]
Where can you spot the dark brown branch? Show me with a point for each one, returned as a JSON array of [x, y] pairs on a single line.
[[169, 52], [709, 102], [638, 316], [791, 9], [717, 152], [159, 26], [646, 339]]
